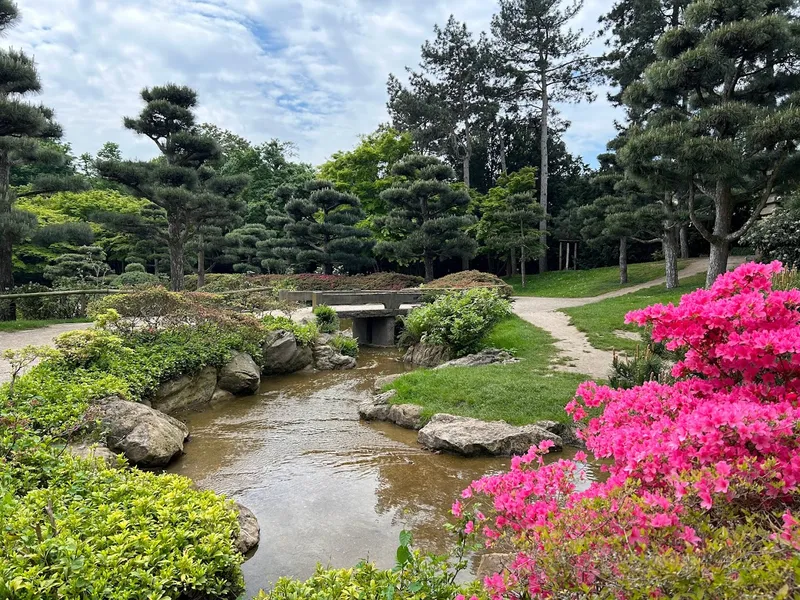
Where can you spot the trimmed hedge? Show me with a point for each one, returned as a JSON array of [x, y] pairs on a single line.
[[306, 281]]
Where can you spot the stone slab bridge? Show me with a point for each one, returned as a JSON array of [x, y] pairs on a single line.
[[374, 313]]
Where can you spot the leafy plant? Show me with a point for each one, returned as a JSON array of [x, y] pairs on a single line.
[[305, 333], [327, 319], [345, 344], [470, 279], [629, 372]]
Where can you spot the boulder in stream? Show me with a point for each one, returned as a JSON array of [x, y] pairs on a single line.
[[424, 355], [249, 529], [241, 375], [147, 437], [326, 358], [408, 416], [282, 353], [473, 437], [185, 392]]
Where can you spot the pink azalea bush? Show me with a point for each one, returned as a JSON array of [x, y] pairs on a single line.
[[703, 475]]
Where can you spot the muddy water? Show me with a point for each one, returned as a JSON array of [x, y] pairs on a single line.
[[325, 487]]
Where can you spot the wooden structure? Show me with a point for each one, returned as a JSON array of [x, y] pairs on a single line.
[[567, 255]]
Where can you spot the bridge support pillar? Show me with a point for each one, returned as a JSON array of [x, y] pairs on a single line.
[[374, 331]]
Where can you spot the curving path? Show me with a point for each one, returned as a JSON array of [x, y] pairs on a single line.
[[576, 352], [44, 336]]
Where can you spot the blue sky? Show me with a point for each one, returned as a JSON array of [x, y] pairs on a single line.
[[309, 71]]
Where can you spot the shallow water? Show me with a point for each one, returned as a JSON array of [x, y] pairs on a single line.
[[325, 487]]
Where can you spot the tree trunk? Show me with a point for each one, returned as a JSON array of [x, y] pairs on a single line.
[[509, 263], [175, 244], [670, 245], [522, 265], [465, 263], [514, 268], [544, 170], [684, 235], [327, 268], [503, 165], [428, 268], [720, 245], [467, 157], [201, 262], [8, 309], [623, 260]]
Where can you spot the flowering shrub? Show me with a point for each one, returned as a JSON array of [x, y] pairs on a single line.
[[703, 488]]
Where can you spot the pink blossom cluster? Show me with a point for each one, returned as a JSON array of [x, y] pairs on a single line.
[[724, 435]]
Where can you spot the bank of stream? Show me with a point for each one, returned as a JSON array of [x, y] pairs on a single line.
[[325, 487]]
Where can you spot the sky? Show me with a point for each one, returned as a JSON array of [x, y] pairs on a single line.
[[312, 72]]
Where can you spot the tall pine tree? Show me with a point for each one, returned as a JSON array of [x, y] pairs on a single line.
[[427, 216], [181, 180]]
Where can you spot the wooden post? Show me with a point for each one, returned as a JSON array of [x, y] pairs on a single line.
[[575, 257], [560, 250]]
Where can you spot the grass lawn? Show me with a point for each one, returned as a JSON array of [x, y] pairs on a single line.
[[520, 393], [584, 284], [22, 325], [601, 319]]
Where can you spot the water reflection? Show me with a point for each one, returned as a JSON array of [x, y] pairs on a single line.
[[325, 487]]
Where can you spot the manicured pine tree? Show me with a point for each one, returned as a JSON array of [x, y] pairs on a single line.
[[181, 180], [427, 215], [24, 130], [544, 62], [241, 247], [721, 104], [322, 230]]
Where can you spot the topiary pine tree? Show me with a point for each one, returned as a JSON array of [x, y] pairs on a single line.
[[322, 230], [722, 106], [181, 180], [23, 128], [427, 217]]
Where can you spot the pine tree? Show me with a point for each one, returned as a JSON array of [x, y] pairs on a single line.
[[181, 180], [721, 106], [322, 230], [23, 129], [241, 247], [427, 216], [545, 62]]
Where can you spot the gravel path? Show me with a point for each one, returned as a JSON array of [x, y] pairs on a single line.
[[44, 336], [576, 353]]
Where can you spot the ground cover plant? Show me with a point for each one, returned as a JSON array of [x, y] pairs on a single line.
[[702, 495], [584, 284], [600, 320], [470, 279], [306, 282], [520, 393]]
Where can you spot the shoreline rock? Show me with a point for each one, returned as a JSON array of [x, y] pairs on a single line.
[[473, 437], [326, 358], [282, 354], [186, 391], [249, 529], [240, 376], [487, 356], [423, 355]]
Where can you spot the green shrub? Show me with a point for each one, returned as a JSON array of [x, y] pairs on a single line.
[[217, 282], [471, 279], [345, 344], [327, 319], [305, 333], [416, 576], [643, 366], [458, 320], [84, 346], [777, 237], [45, 308], [135, 275]]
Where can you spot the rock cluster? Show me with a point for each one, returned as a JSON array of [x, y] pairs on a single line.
[[326, 358], [282, 353], [488, 356]]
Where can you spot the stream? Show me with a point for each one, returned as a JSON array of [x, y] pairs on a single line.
[[325, 487]]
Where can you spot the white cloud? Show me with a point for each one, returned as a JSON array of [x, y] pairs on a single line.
[[309, 71]]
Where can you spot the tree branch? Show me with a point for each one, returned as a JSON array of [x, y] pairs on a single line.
[[773, 176], [707, 235]]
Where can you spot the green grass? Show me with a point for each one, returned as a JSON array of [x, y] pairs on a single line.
[[521, 393], [23, 325], [584, 284], [600, 320]]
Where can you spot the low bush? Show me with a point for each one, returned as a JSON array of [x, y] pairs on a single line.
[[345, 344], [629, 372], [327, 319], [135, 276], [458, 320], [306, 281], [305, 333], [471, 279], [45, 308]]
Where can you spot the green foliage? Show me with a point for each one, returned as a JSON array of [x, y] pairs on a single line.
[[416, 576], [344, 344], [82, 347], [643, 366], [306, 281], [82, 530], [86, 265], [327, 319], [457, 320], [135, 276], [305, 333], [777, 237], [49, 307]]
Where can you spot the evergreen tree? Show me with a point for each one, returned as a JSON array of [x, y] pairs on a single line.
[[25, 129], [427, 216], [448, 100], [510, 221], [721, 106], [322, 230], [181, 181], [85, 265], [241, 247], [545, 62]]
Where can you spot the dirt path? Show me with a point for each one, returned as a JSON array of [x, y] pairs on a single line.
[[576, 352], [44, 336]]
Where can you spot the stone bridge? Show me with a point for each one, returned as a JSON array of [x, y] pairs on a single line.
[[374, 313]]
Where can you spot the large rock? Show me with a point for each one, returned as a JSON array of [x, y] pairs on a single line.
[[188, 391], [326, 358], [92, 451], [249, 530], [489, 356], [240, 376], [408, 416], [567, 433], [146, 436], [423, 355], [382, 382], [473, 437], [282, 354]]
